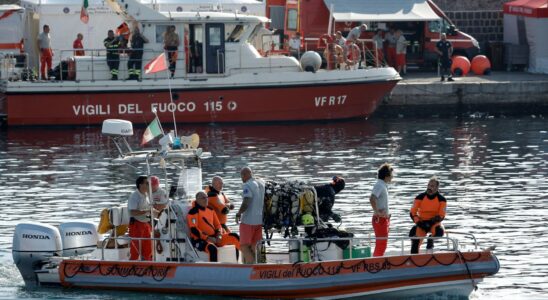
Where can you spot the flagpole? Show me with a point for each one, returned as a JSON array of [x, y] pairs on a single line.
[[168, 72]]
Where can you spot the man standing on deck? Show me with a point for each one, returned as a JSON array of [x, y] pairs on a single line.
[[136, 55], [379, 203], [251, 215], [78, 46], [401, 52], [113, 45], [46, 53], [139, 222], [427, 213]]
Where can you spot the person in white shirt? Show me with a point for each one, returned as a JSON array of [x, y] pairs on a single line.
[[158, 197], [390, 38], [139, 223], [46, 53], [251, 215], [339, 39], [295, 46], [401, 51], [378, 42], [381, 213], [355, 33]]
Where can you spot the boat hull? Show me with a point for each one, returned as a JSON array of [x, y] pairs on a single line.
[[388, 276], [229, 104]]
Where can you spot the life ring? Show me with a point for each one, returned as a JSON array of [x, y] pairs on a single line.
[[353, 55], [325, 39]]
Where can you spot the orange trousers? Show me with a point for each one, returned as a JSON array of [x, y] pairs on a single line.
[[140, 230], [46, 56]]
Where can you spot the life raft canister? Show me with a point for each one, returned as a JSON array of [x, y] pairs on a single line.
[[71, 75]]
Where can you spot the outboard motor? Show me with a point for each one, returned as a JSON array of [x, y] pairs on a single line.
[[33, 245], [78, 238]]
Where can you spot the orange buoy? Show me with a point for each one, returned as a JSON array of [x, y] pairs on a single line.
[[460, 66], [481, 65]]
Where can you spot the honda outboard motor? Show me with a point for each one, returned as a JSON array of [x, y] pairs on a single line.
[[78, 238], [33, 245]]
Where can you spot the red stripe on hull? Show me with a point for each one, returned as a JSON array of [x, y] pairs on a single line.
[[327, 102], [336, 291]]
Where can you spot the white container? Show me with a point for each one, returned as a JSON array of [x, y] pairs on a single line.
[[323, 251]]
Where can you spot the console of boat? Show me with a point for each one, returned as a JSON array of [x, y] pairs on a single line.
[[305, 264]]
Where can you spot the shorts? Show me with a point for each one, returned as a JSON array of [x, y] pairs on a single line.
[[250, 234]]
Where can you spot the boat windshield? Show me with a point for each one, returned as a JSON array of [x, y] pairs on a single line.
[[236, 32], [259, 28]]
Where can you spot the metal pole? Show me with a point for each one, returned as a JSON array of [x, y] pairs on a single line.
[[171, 97]]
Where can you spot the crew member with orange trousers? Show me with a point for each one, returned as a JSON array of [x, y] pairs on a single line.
[[205, 229], [46, 53], [427, 213], [139, 222], [218, 201]]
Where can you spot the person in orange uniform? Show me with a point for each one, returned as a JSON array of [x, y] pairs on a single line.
[[123, 32], [78, 46], [205, 229], [218, 201], [427, 213]]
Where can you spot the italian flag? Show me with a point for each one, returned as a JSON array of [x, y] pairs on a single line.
[[153, 130], [84, 16]]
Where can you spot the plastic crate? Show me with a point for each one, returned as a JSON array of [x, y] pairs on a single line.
[[357, 252]]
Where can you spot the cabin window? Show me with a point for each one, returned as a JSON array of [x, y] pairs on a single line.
[[214, 36], [160, 29], [434, 26], [292, 19]]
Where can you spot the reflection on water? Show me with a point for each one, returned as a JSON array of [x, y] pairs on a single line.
[[493, 174]]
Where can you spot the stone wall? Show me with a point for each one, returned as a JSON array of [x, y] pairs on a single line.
[[482, 19], [470, 5], [486, 26]]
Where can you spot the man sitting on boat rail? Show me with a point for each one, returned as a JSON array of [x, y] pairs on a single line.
[[218, 201], [205, 229], [139, 222], [427, 213]]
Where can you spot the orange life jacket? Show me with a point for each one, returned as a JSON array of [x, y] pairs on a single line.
[[425, 208], [202, 222], [218, 202], [123, 30]]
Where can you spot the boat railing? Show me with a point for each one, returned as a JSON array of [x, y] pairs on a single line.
[[173, 244], [404, 243], [97, 55], [400, 245]]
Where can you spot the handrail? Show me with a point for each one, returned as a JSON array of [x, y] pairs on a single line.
[[452, 243]]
